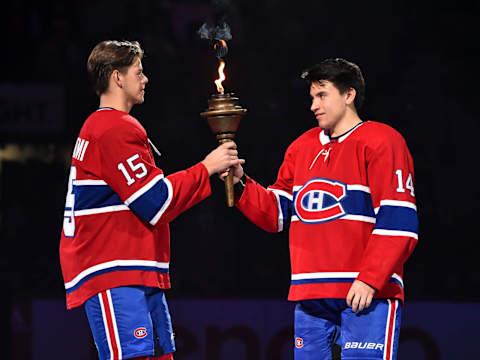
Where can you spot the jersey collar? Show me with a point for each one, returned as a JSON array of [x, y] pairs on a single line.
[[325, 138]]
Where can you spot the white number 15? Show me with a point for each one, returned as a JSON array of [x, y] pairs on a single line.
[[134, 167]]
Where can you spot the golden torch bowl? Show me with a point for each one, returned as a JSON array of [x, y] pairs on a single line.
[[223, 116]]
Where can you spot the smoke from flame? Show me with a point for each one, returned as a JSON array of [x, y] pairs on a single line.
[[221, 75]]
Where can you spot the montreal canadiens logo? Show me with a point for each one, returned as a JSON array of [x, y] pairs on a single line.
[[298, 342], [140, 332], [319, 201]]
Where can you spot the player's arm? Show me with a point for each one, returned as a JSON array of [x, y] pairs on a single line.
[[268, 208], [128, 168], [391, 181]]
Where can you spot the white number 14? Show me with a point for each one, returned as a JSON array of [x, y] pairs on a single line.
[[408, 183]]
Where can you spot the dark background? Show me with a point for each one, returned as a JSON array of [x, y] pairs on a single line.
[[420, 61]]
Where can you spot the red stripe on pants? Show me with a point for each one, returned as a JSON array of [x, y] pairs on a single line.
[[391, 329], [111, 331]]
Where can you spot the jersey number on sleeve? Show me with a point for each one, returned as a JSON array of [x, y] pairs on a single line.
[[69, 215], [133, 167], [408, 183]]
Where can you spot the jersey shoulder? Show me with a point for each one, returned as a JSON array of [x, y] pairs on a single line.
[[104, 122], [308, 137], [379, 134]]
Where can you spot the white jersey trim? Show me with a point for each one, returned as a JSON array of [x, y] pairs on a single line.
[[114, 263], [324, 275], [395, 233], [347, 217], [359, 218], [101, 210], [359, 187], [280, 214], [89, 182], [341, 275], [282, 193], [399, 203], [349, 187], [398, 278]]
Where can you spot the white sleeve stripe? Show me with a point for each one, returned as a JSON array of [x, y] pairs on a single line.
[[395, 233], [281, 193], [398, 203], [359, 187], [165, 204], [89, 182], [144, 189]]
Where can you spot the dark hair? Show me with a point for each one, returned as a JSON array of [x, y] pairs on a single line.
[[111, 55], [342, 73]]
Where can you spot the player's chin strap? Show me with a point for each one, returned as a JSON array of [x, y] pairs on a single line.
[[154, 148]]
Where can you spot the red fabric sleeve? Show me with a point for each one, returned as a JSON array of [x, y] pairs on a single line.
[[129, 169], [391, 181]]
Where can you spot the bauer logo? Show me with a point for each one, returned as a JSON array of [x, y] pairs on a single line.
[[319, 201], [298, 342], [363, 345], [140, 332]]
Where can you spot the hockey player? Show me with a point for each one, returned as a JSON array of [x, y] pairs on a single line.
[[115, 242], [345, 190]]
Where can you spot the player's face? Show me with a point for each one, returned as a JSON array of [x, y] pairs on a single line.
[[134, 82], [328, 105]]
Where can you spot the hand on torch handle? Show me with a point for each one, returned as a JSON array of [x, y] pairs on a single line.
[[222, 160], [228, 174], [236, 172], [228, 179]]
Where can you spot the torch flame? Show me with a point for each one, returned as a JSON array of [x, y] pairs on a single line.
[[222, 42], [221, 75]]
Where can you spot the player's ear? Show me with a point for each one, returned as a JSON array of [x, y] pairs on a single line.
[[116, 78], [350, 96]]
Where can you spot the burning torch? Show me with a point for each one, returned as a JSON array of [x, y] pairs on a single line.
[[224, 114]]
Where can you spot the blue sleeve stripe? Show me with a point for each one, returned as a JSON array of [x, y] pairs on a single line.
[[284, 203], [397, 218], [152, 200], [165, 205], [143, 189]]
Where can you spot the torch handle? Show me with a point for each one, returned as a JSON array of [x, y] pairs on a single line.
[[228, 180]]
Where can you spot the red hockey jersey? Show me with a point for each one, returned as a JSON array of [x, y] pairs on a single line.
[[350, 206], [115, 229]]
